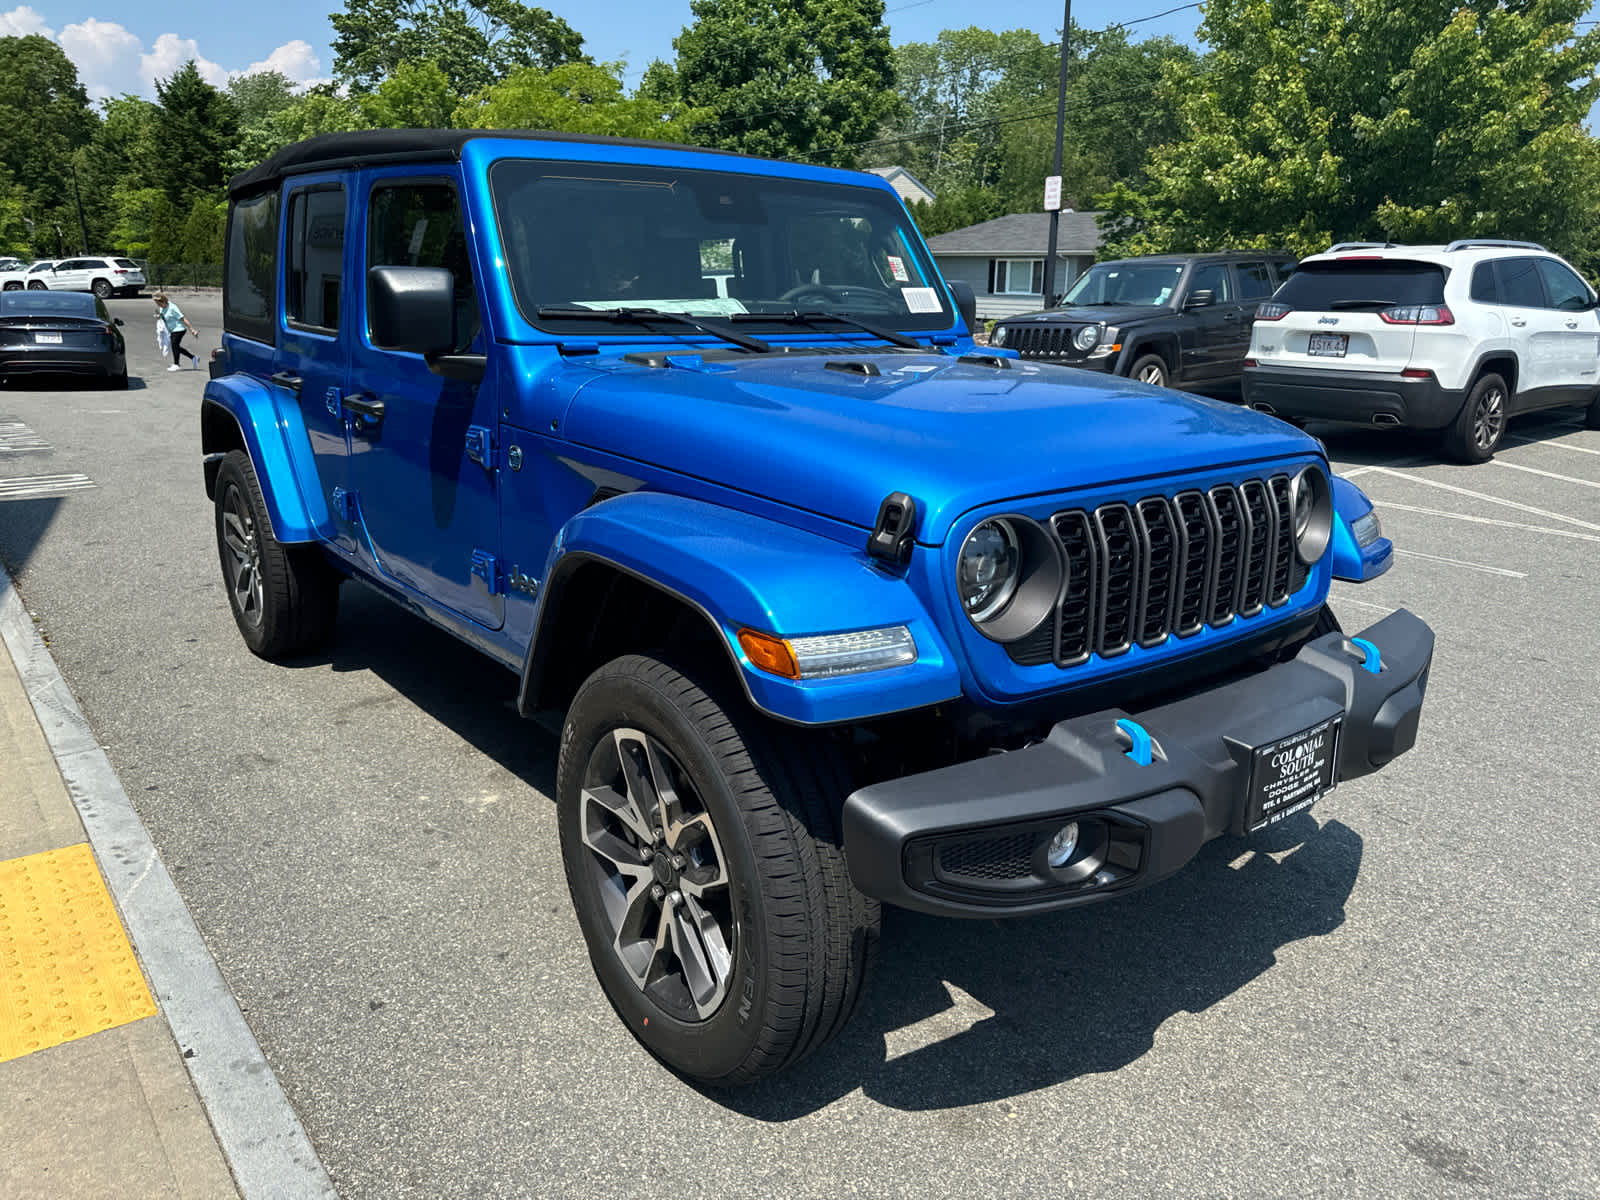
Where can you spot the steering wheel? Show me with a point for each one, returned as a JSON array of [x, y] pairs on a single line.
[[862, 298], [812, 289]]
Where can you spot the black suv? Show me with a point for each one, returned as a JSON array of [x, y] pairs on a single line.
[[1178, 319]]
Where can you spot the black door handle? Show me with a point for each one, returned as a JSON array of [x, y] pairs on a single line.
[[285, 379], [362, 406]]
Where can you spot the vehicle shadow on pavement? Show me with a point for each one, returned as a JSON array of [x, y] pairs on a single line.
[[23, 524], [1357, 446], [1071, 994]]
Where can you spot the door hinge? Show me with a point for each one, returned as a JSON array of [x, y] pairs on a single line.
[[487, 568], [344, 504], [480, 446]]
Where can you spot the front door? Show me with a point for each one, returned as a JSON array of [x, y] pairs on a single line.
[[425, 469], [1215, 327], [70, 276], [1577, 328], [314, 338]]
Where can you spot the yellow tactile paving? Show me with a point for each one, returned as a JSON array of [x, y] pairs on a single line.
[[66, 968]]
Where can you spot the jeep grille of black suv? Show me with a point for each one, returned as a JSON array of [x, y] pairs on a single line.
[[1043, 341], [1137, 573]]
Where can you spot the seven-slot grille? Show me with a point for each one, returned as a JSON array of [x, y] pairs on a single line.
[[1139, 573], [1041, 341]]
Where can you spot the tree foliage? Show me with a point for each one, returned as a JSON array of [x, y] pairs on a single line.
[[474, 42], [1323, 120], [414, 96], [806, 78], [195, 126], [576, 98]]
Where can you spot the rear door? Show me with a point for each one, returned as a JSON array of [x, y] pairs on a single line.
[[426, 468], [314, 333], [1538, 332]]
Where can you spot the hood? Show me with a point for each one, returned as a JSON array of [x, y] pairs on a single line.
[[1111, 314], [814, 432]]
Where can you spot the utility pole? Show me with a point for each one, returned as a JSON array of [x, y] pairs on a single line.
[[1061, 125], [83, 227]]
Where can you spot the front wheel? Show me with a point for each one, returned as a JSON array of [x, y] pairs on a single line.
[[284, 598], [1151, 369], [702, 850], [37, 286], [1476, 432]]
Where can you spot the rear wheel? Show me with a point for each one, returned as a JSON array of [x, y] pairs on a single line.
[[284, 598], [1151, 369], [101, 288], [1476, 432], [1592, 417], [702, 850]]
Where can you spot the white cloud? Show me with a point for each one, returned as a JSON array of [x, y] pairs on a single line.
[[20, 22], [295, 59], [169, 53], [105, 54]]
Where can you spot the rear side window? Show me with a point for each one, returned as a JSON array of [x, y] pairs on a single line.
[[1566, 291], [1367, 284], [1518, 282], [1254, 282], [1284, 270], [1484, 288], [316, 259], [249, 283], [126, 262]]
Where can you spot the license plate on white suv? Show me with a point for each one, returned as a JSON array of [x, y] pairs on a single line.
[[1329, 345]]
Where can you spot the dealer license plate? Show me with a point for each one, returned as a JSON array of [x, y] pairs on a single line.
[[47, 339], [1329, 345], [1290, 774]]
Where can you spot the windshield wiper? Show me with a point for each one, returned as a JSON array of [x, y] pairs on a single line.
[[1362, 303], [893, 336], [646, 316]]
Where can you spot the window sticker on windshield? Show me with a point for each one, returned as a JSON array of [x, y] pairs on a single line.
[[1162, 297], [897, 268], [921, 300]]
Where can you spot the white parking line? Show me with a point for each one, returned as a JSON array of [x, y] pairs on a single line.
[[1341, 598], [1389, 505], [42, 485], [1500, 462], [1556, 442], [1484, 496], [17, 438], [1459, 562]]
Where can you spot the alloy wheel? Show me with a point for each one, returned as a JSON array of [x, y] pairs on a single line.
[[660, 872], [1489, 419], [243, 561], [1153, 374]]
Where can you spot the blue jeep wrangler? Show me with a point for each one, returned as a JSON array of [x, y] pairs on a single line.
[[840, 609]]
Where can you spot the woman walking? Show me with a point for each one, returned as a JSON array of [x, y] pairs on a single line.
[[177, 325]]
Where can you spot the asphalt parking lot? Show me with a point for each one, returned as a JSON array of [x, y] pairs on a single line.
[[1393, 995]]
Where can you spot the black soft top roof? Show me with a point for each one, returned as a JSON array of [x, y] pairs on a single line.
[[368, 147]]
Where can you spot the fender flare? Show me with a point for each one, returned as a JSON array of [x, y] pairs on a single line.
[[273, 433], [1353, 563], [741, 571], [1164, 342]]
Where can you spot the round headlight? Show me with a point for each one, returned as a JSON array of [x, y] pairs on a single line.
[[998, 337], [1087, 338], [1311, 509], [991, 560]]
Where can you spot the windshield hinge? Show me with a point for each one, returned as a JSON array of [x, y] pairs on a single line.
[[568, 348], [895, 529], [487, 568], [943, 339]]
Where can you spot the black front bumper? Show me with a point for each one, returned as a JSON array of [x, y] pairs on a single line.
[[1381, 398], [969, 840]]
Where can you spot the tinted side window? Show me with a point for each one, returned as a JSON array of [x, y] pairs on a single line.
[[1566, 291], [419, 225], [250, 280], [316, 258], [1214, 279], [1254, 281], [1518, 281], [1484, 288], [1284, 269]]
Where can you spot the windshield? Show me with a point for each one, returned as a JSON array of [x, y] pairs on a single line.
[[709, 244], [1125, 283]]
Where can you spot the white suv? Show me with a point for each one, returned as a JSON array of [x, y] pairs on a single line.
[[1452, 339], [105, 277]]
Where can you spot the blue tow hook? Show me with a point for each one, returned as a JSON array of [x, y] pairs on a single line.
[[1140, 750], [1373, 661]]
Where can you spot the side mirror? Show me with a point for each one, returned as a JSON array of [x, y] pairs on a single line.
[[1204, 298], [966, 302], [412, 309], [116, 320]]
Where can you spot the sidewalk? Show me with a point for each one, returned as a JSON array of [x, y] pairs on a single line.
[[96, 1097]]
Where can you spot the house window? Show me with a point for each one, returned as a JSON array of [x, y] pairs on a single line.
[[1018, 276]]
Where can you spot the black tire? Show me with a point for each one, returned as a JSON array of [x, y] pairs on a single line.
[[284, 598], [14, 286], [117, 383], [38, 286], [1475, 434], [101, 288], [1151, 369], [795, 940], [1591, 419]]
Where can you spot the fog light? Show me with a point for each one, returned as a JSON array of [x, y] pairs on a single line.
[[1061, 847]]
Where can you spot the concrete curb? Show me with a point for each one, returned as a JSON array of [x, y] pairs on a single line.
[[265, 1144]]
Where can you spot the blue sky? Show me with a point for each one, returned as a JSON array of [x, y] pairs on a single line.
[[124, 47]]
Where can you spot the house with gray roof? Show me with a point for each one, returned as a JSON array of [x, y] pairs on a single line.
[[1003, 259], [911, 189]]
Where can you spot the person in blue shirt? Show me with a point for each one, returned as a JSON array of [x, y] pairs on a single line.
[[177, 325]]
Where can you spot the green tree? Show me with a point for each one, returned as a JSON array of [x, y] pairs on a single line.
[[474, 42], [313, 113], [787, 79], [44, 118], [1331, 119], [137, 213], [115, 161], [16, 238], [195, 126], [165, 229], [956, 208], [576, 98], [258, 96], [201, 239], [414, 96]]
